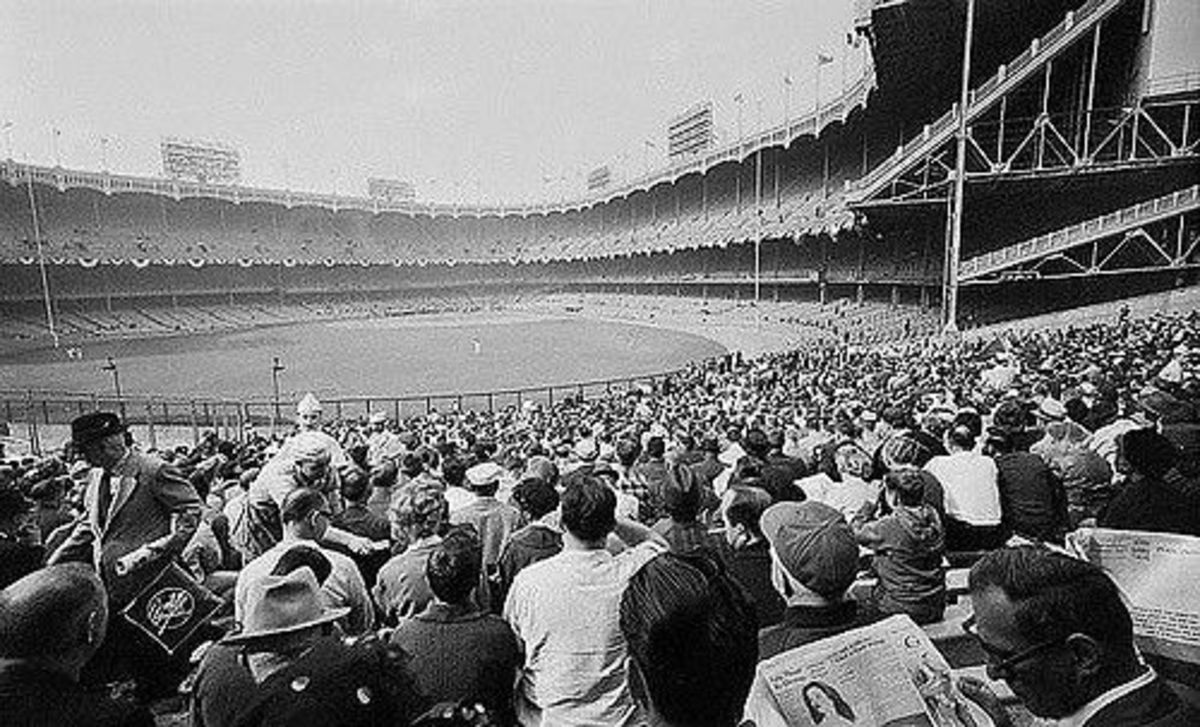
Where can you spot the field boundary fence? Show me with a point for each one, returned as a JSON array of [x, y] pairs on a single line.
[[39, 420]]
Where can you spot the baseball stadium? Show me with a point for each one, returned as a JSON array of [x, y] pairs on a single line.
[[1058, 170], [870, 400]]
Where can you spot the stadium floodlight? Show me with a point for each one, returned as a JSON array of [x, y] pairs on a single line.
[[111, 367]]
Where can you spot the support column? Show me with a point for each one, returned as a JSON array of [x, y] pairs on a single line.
[[955, 213]]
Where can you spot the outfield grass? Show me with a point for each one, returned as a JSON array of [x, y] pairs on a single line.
[[368, 357]]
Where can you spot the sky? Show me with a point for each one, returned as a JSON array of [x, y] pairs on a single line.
[[505, 100]]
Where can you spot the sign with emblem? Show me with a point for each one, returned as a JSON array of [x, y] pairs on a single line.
[[171, 608]]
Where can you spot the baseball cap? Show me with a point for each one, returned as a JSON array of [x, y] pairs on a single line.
[[484, 474], [813, 544]]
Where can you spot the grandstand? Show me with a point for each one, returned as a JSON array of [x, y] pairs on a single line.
[[1071, 119]]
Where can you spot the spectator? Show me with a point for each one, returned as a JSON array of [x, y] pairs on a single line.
[[1057, 632], [1157, 497], [681, 499], [847, 489], [1086, 478], [306, 675], [52, 621], [492, 519], [303, 462], [972, 496], [649, 478], [1032, 502], [539, 539], [907, 546], [564, 611], [814, 559], [418, 516], [779, 471], [222, 687], [905, 453], [748, 556], [357, 518], [691, 636], [382, 444], [21, 551], [305, 514], [460, 652], [139, 514]]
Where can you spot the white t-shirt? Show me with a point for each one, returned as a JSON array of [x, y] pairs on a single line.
[[565, 611], [969, 480]]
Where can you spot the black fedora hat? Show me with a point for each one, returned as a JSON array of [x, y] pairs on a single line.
[[94, 426]]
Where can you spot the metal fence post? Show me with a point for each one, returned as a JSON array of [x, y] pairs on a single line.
[[192, 418], [490, 407], [428, 405], [150, 423], [34, 444]]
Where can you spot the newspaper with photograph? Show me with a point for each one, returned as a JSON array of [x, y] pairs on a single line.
[[887, 674], [1159, 574]]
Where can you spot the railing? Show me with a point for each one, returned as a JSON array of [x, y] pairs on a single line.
[[43, 416], [1086, 231], [1006, 77]]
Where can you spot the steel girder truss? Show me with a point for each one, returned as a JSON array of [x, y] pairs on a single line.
[[1156, 235], [1028, 122], [1150, 134]]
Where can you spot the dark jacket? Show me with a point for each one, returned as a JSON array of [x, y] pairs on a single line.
[[1167, 505], [751, 568], [333, 683], [461, 653], [1154, 705], [34, 697], [908, 547], [805, 624], [536, 541], [18, 560], [1033, 503]]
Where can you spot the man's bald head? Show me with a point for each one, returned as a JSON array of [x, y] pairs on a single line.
[[56, 612]]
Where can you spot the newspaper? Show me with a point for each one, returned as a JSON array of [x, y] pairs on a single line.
[[887, 674], [1159, 574]]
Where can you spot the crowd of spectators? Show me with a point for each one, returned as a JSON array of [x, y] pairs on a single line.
[[622, 560]]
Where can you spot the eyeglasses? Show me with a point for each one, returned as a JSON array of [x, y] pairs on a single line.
[[1004, 663]]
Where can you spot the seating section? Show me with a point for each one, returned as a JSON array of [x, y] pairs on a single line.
[[79, 223]]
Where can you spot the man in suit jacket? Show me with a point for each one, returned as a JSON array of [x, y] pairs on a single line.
[[1057, 632], [139, 515]]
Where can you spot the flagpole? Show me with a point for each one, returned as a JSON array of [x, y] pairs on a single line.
[[37, 237]]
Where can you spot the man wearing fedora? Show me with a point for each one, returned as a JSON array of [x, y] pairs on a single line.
[[305, 673], [139, 515]]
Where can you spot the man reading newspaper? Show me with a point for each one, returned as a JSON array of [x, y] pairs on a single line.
[[888, 673]]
